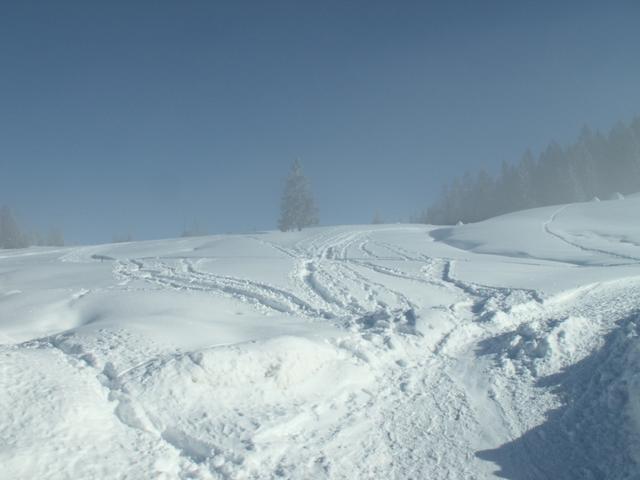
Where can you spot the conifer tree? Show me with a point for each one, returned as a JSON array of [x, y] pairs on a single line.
[[10, 234], [297, 208], [596, 165]]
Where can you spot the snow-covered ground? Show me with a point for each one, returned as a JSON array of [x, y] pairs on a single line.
[[507, 348]]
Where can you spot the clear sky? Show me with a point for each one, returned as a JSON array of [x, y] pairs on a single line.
[[120, 116]]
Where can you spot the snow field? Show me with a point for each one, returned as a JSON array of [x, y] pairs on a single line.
[[507, 348]]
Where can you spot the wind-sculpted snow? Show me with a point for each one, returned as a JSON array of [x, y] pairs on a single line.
[[506, 348]]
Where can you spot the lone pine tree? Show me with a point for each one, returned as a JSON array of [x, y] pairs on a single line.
[[297, 208]]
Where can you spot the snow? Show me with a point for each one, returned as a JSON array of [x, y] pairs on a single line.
[[501, 349]]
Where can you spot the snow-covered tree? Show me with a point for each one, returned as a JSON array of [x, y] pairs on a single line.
[[122, 238], [297, 208], [194, 230], [55, 238], [10, 234], [596, 165]]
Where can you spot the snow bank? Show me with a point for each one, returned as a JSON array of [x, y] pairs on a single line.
[[595, 432]]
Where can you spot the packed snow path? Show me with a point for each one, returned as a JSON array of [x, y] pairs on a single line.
[[506, 349]]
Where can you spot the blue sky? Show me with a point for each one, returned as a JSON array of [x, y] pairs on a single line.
[[143, 116]]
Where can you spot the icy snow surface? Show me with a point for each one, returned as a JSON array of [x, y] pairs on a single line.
[[502, 349]]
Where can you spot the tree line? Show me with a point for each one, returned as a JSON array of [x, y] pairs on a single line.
[[13, 236], [596, 165]]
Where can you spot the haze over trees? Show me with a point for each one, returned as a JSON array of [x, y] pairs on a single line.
[[12, 236], [297, 207], [122, 238], [194, 229], [596, 165]]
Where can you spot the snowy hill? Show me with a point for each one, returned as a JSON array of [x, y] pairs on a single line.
[[507, 348]]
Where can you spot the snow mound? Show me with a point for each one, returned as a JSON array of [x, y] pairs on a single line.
[[582, 234], [545, 348], [54, 405], [595, 433], [224, 407]]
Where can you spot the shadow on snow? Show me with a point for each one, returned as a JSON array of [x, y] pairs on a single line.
[[592, 436]]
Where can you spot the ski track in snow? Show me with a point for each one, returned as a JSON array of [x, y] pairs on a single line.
[[565, 239], [448, 383]]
